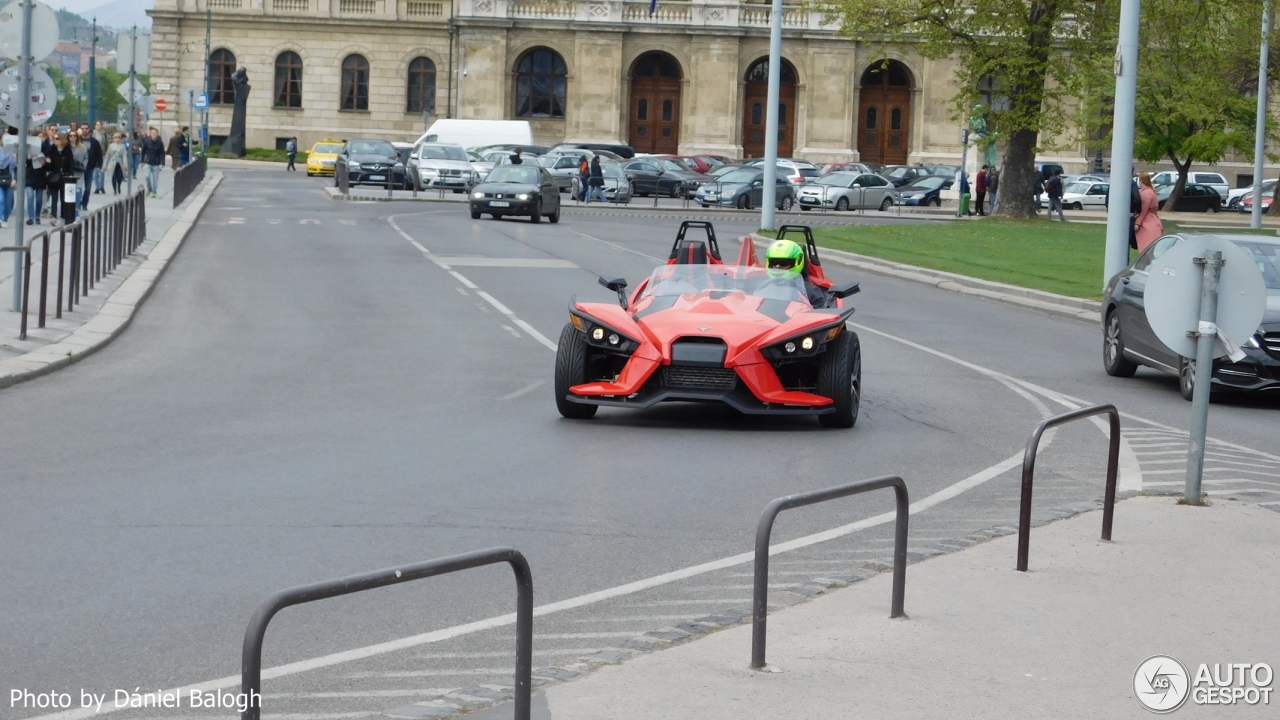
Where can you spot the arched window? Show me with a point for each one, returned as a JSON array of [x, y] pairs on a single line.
[[541, 79], [760, 72], [422, 86], [288, 80], [222, 64], [642, 109], [895, 119], [871, 118], [355, 83], [782, 114], [757, 113], [668, 109]]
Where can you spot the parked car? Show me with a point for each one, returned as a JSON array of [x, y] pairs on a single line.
[[1082, 194], [848, 191], [1212, 179], [925, 191], [624, 152], [617, 186], [744, 188], [901, 175], [564, 168], [844, 167], [320, 160], [442, 165], [654, 175], [1195, 198], [944, 170], [370, 162], [1129, 341], [517, 190], [1246, 205], [797, 171], [479, 164], [693, 162], [1233, 198]]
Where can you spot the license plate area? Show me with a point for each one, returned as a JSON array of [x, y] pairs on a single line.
[[499, 203], [377, 177]]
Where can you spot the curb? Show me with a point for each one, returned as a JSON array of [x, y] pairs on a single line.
[[117, 310], [1060, 305]]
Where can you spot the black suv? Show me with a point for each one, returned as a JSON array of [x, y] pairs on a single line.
[[370, 162]]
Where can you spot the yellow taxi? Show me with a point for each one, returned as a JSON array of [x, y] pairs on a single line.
[[322, 157]]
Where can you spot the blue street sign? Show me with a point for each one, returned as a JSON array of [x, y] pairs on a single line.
[[202, 101]]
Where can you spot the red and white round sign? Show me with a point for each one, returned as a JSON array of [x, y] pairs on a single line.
[[161, 105]]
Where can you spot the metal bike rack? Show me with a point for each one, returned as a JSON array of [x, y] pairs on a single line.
[[1029, 469], [251, 661], [760, 594]]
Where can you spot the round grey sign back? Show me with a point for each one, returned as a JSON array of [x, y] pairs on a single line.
[[44, 31], [1172, 297]]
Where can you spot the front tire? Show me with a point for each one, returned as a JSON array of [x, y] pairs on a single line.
[[1211, 209], [475, 214], [840, 378], [555, 216], [936, 202], [536, 217], [744, 202], [842, 205], [571, 369], [885, 205], [1113, 359], [1187, 378]]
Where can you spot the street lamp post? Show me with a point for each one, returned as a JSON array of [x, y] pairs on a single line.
[[93, 75]]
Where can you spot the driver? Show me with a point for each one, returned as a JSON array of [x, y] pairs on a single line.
[[785, 260]]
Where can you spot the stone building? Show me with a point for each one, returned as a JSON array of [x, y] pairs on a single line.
[[691, 78]]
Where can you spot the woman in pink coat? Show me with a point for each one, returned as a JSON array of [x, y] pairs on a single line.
[[1147, 226]]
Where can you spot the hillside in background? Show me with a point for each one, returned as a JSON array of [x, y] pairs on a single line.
[[123, 14]]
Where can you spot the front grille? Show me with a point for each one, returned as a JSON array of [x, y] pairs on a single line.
[[700, 378], [1271, 341]]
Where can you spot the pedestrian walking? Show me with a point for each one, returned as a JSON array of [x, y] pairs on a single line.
[[100, 134], [291, 150], [8, 181], [93, 165], [62, 180], [153, 158], [584, 176], [80, 158], [595, 183], [135, 154], [1053, 188], [116, 160], [1147, 226], [37, 166], [980, 187], [993, 182], [49, 148], [175, 148], [184, 149]]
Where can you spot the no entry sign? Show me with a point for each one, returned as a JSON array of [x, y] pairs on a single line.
[[161, 105]]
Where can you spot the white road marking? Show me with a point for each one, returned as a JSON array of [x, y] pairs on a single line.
[[502, 262], [533, 332], [274, 221], [617, 246], [504, 653], [236, 221], [522, 391], [308, 221], [345, 221], [511, 330], [460, 291]]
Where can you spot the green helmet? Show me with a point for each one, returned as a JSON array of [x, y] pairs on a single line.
[[784, 258]]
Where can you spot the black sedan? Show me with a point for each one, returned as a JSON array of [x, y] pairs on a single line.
[[517, 190], [1195, 198], [1129, 341], [925, 191], [370, 162], [660, 176]]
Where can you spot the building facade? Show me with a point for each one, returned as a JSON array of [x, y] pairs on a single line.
[[691, 78]]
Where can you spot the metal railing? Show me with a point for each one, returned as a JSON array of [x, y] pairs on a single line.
[[1029, 469], [760, 594], [188, 178], [251, 660], [100, 240]]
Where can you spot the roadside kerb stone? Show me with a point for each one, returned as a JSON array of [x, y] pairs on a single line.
[[117, 311]]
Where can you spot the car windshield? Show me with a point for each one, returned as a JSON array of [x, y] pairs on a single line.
[[328, 149], [1267, 256], [675, 165], [740, 176], [372, 147], [809, 172], [838, 179], [442, 152], [1077, 188], [718, 281], [513, 174], [613, 171], [725, 170], [930, 183], [898, 172]]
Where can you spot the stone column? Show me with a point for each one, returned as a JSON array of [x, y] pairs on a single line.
[[595, 91], [712, 99], [484, 88]]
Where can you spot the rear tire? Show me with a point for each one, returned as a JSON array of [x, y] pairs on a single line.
[[1113, 359], [805, 208], [1211, 209], [787, 202], [840, 378], [571, 369], [1187, 379]]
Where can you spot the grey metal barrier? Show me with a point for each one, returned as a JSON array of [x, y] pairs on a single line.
[[343, 179], [251, 660], [1029, 469], [188, 178], [100, 241], [760, 594]]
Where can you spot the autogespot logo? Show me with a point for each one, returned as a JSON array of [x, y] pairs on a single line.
[[1161, 684]]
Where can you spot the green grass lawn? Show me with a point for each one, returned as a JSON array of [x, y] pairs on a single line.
[[262, 154]]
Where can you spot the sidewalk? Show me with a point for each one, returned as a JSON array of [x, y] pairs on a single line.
[[108, 307], [982, 640]]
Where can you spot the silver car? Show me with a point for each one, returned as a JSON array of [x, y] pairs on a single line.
[[563, 168], [442, 165], [848, 191]]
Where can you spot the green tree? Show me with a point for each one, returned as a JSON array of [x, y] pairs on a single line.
[[1031, 48], [1197, 75]]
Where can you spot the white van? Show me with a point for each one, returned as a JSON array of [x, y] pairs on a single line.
[[473, 133]]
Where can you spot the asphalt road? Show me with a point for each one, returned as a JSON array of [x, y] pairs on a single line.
[[310, 394]]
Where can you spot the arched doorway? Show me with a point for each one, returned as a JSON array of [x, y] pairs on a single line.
[[753, 103], [655, 104], [884, 113]]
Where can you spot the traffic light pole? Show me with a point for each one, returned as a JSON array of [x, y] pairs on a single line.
[[24, 126], [133, 110], [93, 77], [204, 119]]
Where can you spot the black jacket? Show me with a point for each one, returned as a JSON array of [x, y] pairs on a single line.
[[36, 175], [64, 163], [597, 174], [94, 159], [152, 151]]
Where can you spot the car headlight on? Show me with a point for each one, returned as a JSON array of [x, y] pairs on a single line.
[[802, 346], [522, 196], [477, 195], [807, 343], [597, 333]]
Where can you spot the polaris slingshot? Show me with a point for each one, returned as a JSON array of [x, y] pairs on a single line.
[[704, 330]]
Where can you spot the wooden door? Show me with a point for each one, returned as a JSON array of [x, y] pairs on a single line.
[[755, 101], [884, 125], [655, 115]]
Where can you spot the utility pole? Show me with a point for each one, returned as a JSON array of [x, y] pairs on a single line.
[[1260, 130], [24, 126], [204, 120], [768, 202], [1126, 72], [448, 103], [93, 76], [133, 111]]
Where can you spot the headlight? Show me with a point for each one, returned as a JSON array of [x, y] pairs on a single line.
[[428, 171], [353, 166], [477, 195], [918, 196], [597, 334], [802, 346], [1255, 342], [603, 337], [522, 196], [806, 344]]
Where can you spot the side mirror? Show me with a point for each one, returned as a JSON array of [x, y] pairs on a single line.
[[618, 285], [844, 291]]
